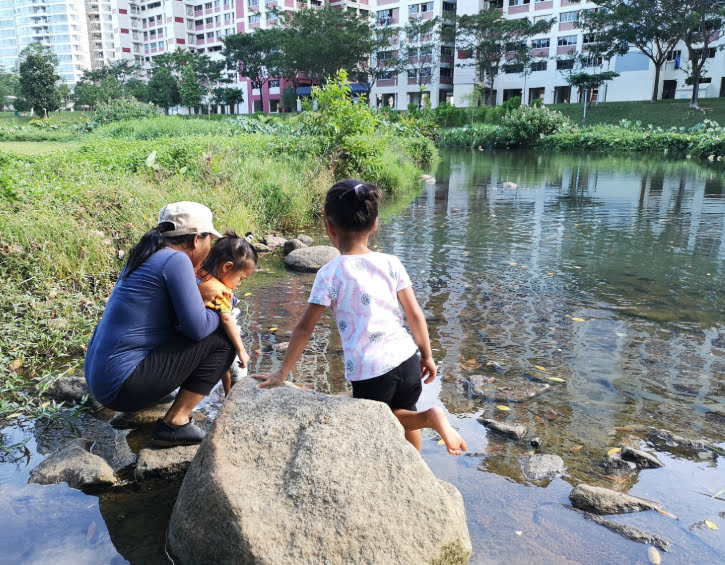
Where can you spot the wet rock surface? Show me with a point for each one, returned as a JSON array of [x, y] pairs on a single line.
[[630, 532], [306, 239], [260, 247], [510, 430], [601, 500], [164, 462], [273, 241], [641, 459], [291, 244], [490, 388], [615, 463], [75, 465], [293, 458], [129, 420], [541, 466], [310, 259], [72, 390]]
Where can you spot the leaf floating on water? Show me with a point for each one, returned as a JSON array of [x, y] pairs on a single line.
[[711, 525], [654, 556], [540, 368], [615, 451], [504, 408], [576, 448], [578, 320], [718, 493], [519, 533], [441, 442], [550, 274], [513, 263], [91, 531], [273, 329], [557, 380], [576, 267]]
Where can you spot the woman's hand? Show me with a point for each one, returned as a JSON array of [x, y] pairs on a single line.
[[243, 358], [428, 369], [269, 379]]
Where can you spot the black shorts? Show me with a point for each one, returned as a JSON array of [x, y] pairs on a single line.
[[399, 388]]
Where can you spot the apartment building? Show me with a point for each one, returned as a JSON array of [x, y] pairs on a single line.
[[59, 24], [430, 82], [554, 58]]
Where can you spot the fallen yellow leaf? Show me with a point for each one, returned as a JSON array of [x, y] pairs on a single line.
[[614, 451], [500, 407], [247, 294], [550, 274], [711, 525], [578, 320], [576, 448], [274, 329], [441, 442], [45, 404], [557, 380], [540, 368], [513, 264]]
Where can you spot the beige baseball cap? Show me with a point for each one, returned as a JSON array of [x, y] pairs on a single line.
[[187, 218]]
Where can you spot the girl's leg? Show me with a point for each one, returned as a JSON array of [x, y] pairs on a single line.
[[433, 418]]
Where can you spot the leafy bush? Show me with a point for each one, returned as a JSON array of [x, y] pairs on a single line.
[[526, 124], [478, 135], [447, 115], [124, 109]]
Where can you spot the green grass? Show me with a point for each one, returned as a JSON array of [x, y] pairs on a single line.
[[665, 113], [9, 118], [34, 147]]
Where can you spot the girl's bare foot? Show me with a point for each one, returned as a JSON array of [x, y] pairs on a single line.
[[453, 440]]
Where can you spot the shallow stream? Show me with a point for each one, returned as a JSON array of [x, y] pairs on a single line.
[[605, 273]]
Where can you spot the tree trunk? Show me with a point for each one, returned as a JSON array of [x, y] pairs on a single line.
[[695, 87], [656, 86], [586, 96]]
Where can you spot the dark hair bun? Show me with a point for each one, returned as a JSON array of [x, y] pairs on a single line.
[[353, 205]]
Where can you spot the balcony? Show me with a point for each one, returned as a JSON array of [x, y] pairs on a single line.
[[566, 26], [544, 5]]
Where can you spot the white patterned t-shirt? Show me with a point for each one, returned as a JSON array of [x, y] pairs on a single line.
[[362, 292]]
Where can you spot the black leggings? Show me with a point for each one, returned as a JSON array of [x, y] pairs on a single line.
[[196, 366]]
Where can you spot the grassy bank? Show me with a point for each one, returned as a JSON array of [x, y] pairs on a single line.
[[664, 113], [69, 216]]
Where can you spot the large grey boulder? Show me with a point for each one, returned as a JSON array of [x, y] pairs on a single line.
[[310, 259], [289, 476], [164, 462], [73, 464], [601, 500]]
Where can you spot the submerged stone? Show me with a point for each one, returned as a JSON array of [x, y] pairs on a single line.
[[541, 466], [486, 387], [512, 430], [164, 462], [73, 464], [604, 501], [642, 459]]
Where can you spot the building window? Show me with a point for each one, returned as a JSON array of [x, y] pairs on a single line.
[[567, 40], [540, 43], [255, 19], [513, 68], [564, 64], [710, 53], [449, 7], [589, 38], [446, 72], [518, 2], [538, 66], [200, 37], [593, 62], [568, 17], [207, 5], [209, 20], [274, 84]]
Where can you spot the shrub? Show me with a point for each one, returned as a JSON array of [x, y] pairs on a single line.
[[478, 135], [447, 115], [526, 124], [124, 109]]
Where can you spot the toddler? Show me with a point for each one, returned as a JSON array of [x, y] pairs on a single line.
[[369, 293], [229, 262]]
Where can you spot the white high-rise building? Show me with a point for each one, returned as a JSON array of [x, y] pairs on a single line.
[[59, 24]]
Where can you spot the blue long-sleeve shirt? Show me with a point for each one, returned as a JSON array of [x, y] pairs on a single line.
[[156, 302]]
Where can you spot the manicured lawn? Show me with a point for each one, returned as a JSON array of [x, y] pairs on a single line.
[[34, 147], [665, 113]]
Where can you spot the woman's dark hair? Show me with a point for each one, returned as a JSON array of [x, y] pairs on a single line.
[[232, 248], [152, 241], [352, 205]]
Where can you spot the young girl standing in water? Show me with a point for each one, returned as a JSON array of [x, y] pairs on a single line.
[[366, 291], [229, 262]]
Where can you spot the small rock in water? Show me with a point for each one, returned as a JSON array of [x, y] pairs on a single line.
[[273, 241], [605, 501], [614, 462], [75, 465], [654, 556], [642, 459], [291, 244], [281, 347], [310, 259], [260, 247], [485, 387], [164, 462], [535, 442], [514, 430], [540, 466], [630, 532], [306, 239], [430, 180]]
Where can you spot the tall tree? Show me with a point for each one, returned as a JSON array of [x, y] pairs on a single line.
[[702, 22], [228, 96], [163, 89], [652, 26], [191, 91], [384, 60], [39, 81], [341, 40], [586, 82], [256, 56], [420, 49], [493, 41]]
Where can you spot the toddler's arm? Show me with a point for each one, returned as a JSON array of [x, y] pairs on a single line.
[[300, 336], [232, 330], [419, 328]]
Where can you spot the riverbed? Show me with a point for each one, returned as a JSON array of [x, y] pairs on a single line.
[[601, 275]]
